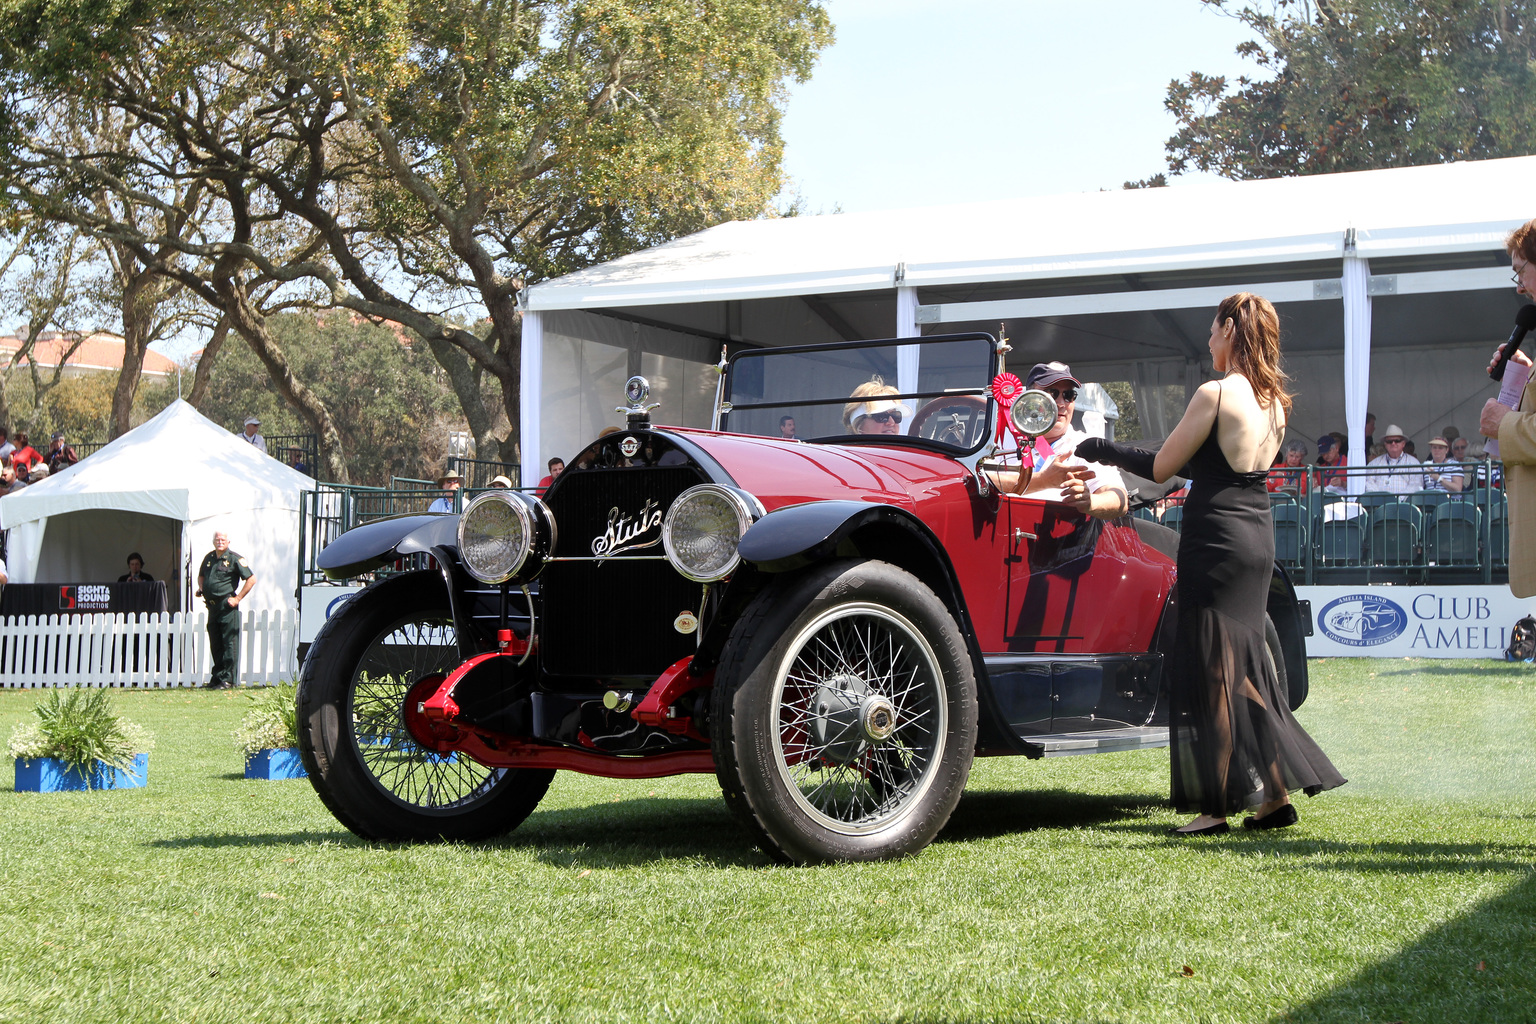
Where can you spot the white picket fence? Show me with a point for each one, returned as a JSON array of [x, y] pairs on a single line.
[[140, 650]]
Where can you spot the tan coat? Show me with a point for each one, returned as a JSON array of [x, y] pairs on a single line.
[[1517, 449]]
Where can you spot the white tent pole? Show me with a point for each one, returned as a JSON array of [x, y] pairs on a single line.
[[1357, 354], [907, 356], [532, 404]]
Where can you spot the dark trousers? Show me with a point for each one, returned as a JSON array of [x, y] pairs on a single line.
[[224, 641]]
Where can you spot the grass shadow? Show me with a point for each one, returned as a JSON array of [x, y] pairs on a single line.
[[1395, 858], [1476, 967], [624, 833], [986, 815]]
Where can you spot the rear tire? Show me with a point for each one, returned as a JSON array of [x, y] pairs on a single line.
[[844, 715], [363, 763]]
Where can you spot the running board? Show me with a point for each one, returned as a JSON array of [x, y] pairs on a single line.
[[1106, 741]]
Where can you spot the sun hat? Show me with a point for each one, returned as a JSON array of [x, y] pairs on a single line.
[[1440, 441], [251, 419], [448, 475], [501, 481], [1393, 431]]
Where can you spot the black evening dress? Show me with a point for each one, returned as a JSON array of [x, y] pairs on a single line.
[[1234, 741]]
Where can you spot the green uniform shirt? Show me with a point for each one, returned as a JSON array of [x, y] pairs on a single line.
[[221, 574]]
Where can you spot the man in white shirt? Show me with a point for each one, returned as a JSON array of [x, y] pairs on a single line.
[[1396, 471], [450, 482], [252, 434], [1091, 488]]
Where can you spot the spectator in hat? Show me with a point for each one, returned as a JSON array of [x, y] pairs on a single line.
[[450, 482], [874, 411], [1441, 472], [1331, 461], [24, 455], [501, 483], [60, 455], [1059, 475], [36, 474], [1397, 472], [252, 435]]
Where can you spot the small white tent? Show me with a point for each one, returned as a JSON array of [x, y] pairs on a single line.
[[162, 489]]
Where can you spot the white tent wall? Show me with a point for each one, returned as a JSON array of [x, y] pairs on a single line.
[[269, 540], [92, 546], [586, 359]]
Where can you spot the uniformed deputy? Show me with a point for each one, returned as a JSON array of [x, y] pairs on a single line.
[[222, 571]]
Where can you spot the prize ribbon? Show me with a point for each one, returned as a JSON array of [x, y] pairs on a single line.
[[1006, 388]]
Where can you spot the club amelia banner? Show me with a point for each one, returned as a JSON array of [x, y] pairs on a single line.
[[1412, 622]]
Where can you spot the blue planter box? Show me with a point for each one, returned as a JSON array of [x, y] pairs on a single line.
[[50, 775], [279, 763]]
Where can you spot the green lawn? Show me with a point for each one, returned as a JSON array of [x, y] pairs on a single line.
[[1054, 895]]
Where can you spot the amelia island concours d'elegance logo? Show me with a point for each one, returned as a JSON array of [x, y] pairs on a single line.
[[1362, 620]]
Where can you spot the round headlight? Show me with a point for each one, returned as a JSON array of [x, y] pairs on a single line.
[[498, 531], [1033, 413], [703, 528]]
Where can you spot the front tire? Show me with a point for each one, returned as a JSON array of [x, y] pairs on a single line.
[[370, 773], [844, 714]]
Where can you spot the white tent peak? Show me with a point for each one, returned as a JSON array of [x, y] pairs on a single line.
[[180, 465]]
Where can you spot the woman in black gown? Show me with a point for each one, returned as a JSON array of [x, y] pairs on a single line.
[[1234, 741]]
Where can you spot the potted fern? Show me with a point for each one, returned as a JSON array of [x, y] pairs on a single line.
[[78, 742], [269, 735]]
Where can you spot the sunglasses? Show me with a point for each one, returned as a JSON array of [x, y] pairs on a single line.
[[885, 417], [1065, 395]]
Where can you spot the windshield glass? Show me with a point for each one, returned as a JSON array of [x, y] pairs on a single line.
[[929, 388]]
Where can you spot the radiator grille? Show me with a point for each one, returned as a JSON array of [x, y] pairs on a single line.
[[614, 618]]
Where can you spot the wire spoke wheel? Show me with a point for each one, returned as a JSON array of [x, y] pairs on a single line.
[[399, 657], [366, 747], [844, 717], [845, 666]]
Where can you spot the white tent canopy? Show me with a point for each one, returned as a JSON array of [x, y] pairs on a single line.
[[162, 489], [1407, 263]]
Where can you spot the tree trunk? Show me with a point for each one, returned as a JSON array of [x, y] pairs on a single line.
[[204, 372], [138, 312], [252, 326]]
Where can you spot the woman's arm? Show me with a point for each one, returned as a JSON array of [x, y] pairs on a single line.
[[1190, 434]]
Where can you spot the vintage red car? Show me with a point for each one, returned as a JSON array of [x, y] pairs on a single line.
[[835, 627]]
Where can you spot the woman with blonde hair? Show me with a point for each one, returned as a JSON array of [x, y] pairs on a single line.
[[873, 411], [1234, 742]]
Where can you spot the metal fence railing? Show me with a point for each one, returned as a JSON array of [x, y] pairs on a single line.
[[1361, 525], [480, 472]]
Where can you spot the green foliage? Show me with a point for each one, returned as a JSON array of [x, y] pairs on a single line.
[[272, 722], [1356, 84], [79, 727], [388, 399]]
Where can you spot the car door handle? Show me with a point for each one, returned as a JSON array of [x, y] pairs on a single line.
[[1021, 534]]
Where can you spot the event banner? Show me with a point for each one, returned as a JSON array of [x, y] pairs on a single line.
[[1412, 622], [318, 603]]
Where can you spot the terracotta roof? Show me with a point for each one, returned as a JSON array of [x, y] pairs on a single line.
[[100, 351]]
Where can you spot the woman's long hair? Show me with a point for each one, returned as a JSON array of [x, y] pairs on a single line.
[[1256, 346]]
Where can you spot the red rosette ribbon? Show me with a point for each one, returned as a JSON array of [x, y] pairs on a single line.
[[1006, 388]]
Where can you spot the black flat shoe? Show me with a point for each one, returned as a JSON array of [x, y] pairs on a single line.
[[1284, 817], [1220, 828]]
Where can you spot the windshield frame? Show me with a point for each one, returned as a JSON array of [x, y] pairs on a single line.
[[984, 389]]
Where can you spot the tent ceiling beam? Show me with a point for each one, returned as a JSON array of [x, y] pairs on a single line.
[[1321, 289], [1166, 321], [831, 317]]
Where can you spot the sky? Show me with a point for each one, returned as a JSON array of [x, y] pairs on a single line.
[[923, 104]]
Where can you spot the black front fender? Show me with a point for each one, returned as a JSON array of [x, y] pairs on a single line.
[[381, 542], [799, 535]]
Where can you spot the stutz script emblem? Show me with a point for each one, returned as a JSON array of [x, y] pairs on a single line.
[[624, 532]]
